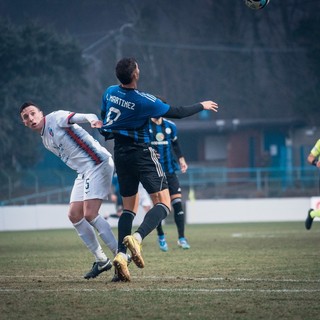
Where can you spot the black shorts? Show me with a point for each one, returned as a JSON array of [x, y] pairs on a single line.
[[173, 183], [138, 163]]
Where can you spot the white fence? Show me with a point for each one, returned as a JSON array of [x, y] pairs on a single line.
[[45, 216], [41, 217], [248, 210]]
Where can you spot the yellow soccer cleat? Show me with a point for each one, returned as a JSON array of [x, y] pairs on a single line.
[[121, 267], [135, 247]]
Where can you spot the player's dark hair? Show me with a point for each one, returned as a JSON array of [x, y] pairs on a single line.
[[28, 104], [124, 69]]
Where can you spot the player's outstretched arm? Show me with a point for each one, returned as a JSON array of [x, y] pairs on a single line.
[[86, 117], [187, 111]]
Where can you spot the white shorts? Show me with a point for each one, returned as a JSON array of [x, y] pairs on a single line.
[[94, 184], [144, 198]]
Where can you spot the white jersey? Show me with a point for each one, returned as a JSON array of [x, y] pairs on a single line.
[[71, 143], [144, 198]]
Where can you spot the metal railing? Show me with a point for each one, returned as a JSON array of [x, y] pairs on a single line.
[[253, 182], [61, 195], [202, 182]]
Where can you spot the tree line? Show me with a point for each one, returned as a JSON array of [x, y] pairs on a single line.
[[255, 65]]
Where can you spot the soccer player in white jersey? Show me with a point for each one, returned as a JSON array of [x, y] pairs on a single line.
[[62, 135]]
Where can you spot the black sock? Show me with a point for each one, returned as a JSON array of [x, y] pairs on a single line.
[[152, 219], [159, 229], [178, 216], [124, 228]]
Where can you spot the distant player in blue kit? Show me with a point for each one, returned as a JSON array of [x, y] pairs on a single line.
[[164, 140], [126, 112]]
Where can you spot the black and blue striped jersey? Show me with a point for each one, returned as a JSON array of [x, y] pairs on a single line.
[[126, 112], [163, 138]]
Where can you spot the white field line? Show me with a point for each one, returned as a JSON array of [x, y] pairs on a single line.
[[152, 278], [177, 290], [180, 290]]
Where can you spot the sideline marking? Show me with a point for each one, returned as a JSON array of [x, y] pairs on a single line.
[[254, 235], [143, 278], [181, 290]]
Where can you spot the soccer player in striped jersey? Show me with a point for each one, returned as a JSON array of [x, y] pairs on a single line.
[[61, 134], [164, 140], [126, 112]]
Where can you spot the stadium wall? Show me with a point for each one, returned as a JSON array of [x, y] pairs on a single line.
[[249, 210], [42, 217]]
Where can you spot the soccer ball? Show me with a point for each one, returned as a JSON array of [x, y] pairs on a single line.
[[256, 4]]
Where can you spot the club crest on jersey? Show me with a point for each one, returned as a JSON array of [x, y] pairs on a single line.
[[51, 132], [168, 130], [159, 136]]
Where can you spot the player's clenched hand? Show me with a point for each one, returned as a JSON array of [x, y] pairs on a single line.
[[96, 124], [210, 105]]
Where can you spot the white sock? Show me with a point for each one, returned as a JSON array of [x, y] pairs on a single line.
[[124, 255], [105, 233], [88, 236], [138, 236]]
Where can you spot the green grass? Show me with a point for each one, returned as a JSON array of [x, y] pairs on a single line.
[[232, 271]]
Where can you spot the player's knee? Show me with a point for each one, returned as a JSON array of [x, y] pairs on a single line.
[[164, 207], [161, 197]]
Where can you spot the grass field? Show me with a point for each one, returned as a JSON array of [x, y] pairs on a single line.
[[232, 271]]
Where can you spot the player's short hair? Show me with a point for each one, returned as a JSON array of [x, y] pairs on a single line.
[[124, 69], [28, 104]]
